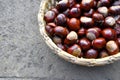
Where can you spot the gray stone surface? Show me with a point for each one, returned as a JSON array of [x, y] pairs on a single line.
[[25, 56]]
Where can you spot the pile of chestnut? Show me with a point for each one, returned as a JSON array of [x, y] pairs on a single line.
[[85, 28]]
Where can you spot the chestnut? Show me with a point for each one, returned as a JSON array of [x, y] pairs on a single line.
[[86, 21], [74, 24], [97, 17], [92, 33], [99, 43], [74, 50], [103, 54], [75, 12], [118, 41], [117, 28], [109, 34], [61, 31], [55, 10], [50, 28], [61, 46], [103, 11], [71, 38], [77, 6], [84, 43], [103, 3], [95, 5], [62, 5], [112, 47], [81, 32], [66, 12], [49, 16], [87, 4], [91, 53], [57, 40], [71, 3], [118, 21], [98, 29], [89, 13], [81, 55], [114, 10], [60, 20], [53, 25], [116, 3], [109, 21]]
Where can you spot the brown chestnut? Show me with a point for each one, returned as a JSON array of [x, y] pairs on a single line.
[[87, 4], [103, 54], [95, 5], [89, 13], [55, 10], [91, 53], [84, 43], [109, 34], [114, 10], [60, 20], [81, 32], [57, 40], [53, 25], [116, 3], [118, 21], [86, 21], [98, 29], [99, 43], [117, 28], [74, 50], [109, 21], [49, 16], [50, 28], [71, 38], [118, 41], [71, 3], [75, 12], [112, 47], [77, 6], [103, 11], [61, 46], [92, 33], [81, 54], [66, 12], [97, 17], [103, 3], [62, 5], [61, 31], [74, 24]]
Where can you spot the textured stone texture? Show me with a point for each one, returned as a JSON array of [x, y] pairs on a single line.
[[25, 56]]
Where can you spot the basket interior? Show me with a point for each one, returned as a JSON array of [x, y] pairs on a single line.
[[45, 6]]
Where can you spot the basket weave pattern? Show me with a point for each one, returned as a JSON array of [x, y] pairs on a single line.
[[44, 6]]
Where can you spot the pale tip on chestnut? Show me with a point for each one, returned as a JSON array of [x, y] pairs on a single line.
[[85, 19], [110, 21], [114, 7], [91, 36], [86, 1], [103, 10], [77, 51], [72, 36], [112, 47]]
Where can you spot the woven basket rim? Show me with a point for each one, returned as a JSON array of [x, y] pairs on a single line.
[[65, 55]]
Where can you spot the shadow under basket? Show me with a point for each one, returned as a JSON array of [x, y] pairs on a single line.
[[45, 6]]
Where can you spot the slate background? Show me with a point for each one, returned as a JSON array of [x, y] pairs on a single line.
[[25, 56]]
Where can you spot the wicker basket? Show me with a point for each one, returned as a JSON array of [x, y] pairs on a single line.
[[44, 6]]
